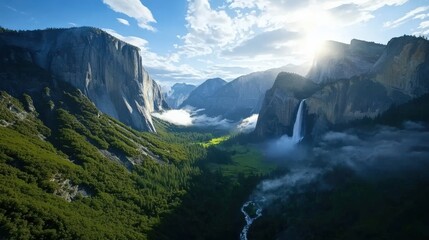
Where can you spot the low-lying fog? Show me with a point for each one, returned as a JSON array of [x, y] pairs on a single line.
[[193, 117], [377, 153]]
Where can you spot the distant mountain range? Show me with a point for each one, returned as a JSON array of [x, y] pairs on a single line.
[[177, 94], [203, 93], [237, 99]]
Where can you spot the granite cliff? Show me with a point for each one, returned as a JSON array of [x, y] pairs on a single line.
[[279, 108], [400, 74], [338, 60], [108, 71]]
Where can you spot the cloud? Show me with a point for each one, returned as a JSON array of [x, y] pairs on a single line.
[[422, 29], [243, 36], [385, 149], [281, 188], [133, 40], [408, 16], [267, 43], [123, 21], [206, 28], [422, 16], [378, 153], [333, 137], [178, 117], [134, 9], [233, 4], [248, 124], [262, 34], [190, 117], [162, 68], [367, 5], [15, 10], [424, 25], [350, 14]]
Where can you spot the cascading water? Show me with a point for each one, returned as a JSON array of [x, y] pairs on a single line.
[[249, 219], [285, 142], [297, 135]]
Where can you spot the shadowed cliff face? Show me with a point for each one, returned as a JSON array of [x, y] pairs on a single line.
[[107, 70], [340, 61], [352, 99], [401, 73], [178, 93], [281, 102]]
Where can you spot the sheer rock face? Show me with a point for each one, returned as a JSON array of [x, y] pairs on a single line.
[[401, 73], [342, 61], [277, 114], [280, 105], [107, 70], [353, 99], [405, 65]]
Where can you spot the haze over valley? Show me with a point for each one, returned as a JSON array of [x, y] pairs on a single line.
[[214, 119]]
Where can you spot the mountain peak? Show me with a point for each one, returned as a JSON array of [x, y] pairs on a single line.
[[214, 80], [200, 94]]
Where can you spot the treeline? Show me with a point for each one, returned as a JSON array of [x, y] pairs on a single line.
[[135, 201]]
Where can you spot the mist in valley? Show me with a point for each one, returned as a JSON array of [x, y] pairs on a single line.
[[374, 155]]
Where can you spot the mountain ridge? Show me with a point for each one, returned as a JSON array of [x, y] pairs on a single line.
[[202, 92], [239, 98], [399, 75], [340, 60], [178, 93]]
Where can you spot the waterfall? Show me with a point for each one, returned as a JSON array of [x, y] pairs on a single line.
[[283, 145], [297, 134]]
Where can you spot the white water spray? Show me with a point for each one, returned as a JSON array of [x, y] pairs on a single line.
[[249, 219], [285, 143], [297, 135]]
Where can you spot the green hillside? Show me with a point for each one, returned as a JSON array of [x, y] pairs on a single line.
[[88, 176], [106, 199]]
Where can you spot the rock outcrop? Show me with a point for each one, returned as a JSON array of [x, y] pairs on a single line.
[[105, 69], [178, 93], [401, 73], [342, 61]]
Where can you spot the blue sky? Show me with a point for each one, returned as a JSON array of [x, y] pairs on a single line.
[[192, 40]]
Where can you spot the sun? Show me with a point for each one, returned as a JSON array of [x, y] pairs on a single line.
[[313, 45], [313, 25]]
